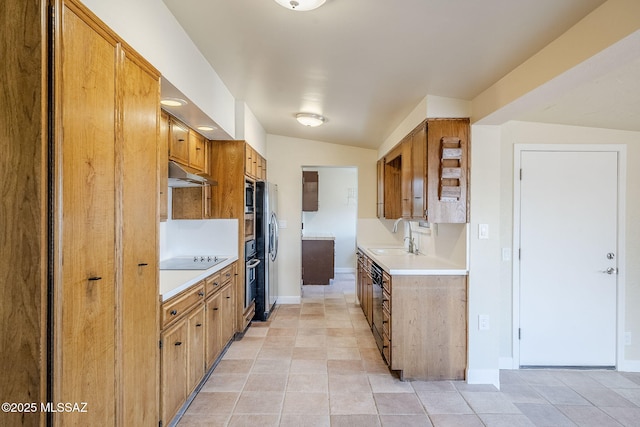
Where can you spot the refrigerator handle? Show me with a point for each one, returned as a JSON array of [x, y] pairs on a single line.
[[273, 250]]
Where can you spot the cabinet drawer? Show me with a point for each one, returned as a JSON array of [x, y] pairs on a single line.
[[173, 309], [226, 274], [386, 301], [386, 282], [386, 323], [386, 349], [212, 284]]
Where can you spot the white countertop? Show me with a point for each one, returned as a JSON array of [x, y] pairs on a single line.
[[172, 282], [314, 235], [401, 263]]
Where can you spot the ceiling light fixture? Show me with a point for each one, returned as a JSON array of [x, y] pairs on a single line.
[[301, 5], [310, 119], [207, 128], [173, 102]]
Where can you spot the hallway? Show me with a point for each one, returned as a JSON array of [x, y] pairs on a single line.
[[316, 364]]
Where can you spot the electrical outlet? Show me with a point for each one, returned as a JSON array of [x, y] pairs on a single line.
[[483, 322], [627, 338], [506, 254]]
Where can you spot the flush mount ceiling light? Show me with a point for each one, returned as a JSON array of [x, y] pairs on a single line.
[[310, 119], [207, 128], [301, 5], [173, 102]]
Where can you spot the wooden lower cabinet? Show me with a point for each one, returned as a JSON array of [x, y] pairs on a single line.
[[429, 327], [213, 343], [195, 348], [318, 261], [424, 322], [174, 369], [197, 325]]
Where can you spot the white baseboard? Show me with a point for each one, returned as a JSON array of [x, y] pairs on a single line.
[[484, 376], [506, 363], [345, 270], [629, 366], [288, 299]]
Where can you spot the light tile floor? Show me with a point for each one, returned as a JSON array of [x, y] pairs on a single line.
[[316, 364]]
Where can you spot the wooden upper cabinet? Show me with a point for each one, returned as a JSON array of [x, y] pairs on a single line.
[[426, 174], [163, 170], [178, 142], [197, 151], [448, 170], [255, 166], [309, 191], [380, 187]]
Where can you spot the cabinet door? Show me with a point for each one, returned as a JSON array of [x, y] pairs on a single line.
[[407, 178], [196, 151], [138, 308], [380, 188], [213, 311], [310, 191], [178, 142], [228, 313], [85, 291], [448, 171], [163, 170], [174, 370], [419, 172], [196, 341]]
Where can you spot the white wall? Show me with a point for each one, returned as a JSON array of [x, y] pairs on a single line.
[[537, 133], [197, 237], [285, 158], [490, 280], [249, 129], [150, 28], [337, 212]]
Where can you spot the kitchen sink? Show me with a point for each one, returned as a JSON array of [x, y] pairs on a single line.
[[389, 251]]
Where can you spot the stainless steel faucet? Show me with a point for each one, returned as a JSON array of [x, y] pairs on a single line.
[[412, 244]]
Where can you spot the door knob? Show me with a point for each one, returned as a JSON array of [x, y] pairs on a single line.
[[611, 255], [610, 270]]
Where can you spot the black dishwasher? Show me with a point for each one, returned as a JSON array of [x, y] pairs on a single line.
[[376, 327]]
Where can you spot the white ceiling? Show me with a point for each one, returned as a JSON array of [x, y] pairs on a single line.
[[365, 64]]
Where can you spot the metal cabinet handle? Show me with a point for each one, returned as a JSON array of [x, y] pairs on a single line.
[[198, 325], [201, 293], [173, 312], [142, 264], [228, 297], [178, 343], [215, 308], [93, 279]]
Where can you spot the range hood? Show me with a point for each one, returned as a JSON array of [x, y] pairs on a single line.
[[184, 176]]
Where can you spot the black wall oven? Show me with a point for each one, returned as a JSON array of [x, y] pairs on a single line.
[[251, 264], [249, 197]]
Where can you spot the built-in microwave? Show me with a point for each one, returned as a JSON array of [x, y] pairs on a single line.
[[249, 197]]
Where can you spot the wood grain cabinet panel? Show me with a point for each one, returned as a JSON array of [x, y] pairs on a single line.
[[178, 142], [87, 292], [318, 261], [197, 150], [174, 369], [163, 170], [138, 310], [196, 349]]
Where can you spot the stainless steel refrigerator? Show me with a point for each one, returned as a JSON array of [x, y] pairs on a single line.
[[267, 246]]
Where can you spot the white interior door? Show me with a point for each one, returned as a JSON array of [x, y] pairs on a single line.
[[568, 227]]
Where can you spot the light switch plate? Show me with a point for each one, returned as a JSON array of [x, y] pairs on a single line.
[[483, 231], [483, 322]]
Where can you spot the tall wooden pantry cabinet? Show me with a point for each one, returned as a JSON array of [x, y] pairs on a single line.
[[88, 309]]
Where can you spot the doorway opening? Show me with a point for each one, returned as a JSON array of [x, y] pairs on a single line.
[[329, 225]]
